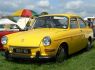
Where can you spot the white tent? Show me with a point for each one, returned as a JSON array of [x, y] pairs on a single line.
[[86, 18], [22, 22], [6, 21]]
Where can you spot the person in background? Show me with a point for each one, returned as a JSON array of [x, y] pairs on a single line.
[[90, 23]]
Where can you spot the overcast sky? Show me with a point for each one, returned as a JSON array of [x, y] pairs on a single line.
[[81, 7]]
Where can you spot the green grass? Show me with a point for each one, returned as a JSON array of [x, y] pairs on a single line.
[[80, 61]]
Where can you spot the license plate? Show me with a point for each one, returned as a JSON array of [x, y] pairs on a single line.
[[18, 50]]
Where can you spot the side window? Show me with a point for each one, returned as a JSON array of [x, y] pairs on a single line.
[[82, 24], [73, 23]]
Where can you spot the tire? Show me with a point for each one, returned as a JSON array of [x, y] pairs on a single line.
[[94, 31], [89, 45], [61, 55]]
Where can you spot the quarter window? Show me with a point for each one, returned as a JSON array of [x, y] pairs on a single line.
[[82, 24]]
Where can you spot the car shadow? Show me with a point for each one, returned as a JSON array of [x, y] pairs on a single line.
[[40, 62], [82, 51]]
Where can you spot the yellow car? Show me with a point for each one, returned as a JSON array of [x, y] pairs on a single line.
[[56, 35]]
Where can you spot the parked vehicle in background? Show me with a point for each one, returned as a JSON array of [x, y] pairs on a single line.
[[91, 19], [7, 26], [53, 36]]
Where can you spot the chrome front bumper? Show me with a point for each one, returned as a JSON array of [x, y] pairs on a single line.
[[38, 56]]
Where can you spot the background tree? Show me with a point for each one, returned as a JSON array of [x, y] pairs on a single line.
[[44, 13]]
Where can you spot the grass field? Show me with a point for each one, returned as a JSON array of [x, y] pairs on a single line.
[[79, 61]]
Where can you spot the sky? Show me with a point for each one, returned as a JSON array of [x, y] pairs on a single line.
[[83, 8]]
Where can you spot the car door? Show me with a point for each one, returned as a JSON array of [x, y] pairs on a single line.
[[84, 30], [76, 35]]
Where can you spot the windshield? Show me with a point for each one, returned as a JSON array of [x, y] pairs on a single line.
[[51, 22]]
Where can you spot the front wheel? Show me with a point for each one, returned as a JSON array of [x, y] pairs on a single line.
[[61, 55], [7, 56]]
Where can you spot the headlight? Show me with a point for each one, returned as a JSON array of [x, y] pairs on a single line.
[[46, 41], [4, 40]]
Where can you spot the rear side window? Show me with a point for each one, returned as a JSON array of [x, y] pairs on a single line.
[[73, 22], [82, 24]]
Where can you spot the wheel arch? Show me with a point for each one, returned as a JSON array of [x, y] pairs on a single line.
[[65, 46]]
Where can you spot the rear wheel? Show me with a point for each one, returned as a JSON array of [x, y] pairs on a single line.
[[89, 44]]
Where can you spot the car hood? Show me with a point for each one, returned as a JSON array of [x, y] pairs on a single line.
[[31, 38]]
